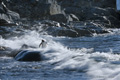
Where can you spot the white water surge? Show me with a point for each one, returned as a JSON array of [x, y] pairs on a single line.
[[96, 65]]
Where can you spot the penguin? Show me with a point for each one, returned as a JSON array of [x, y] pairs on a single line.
[[43, 44]]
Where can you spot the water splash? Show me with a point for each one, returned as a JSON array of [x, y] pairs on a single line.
[[96, 65]]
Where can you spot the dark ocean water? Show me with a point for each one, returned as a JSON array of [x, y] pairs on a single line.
[[81, 58]]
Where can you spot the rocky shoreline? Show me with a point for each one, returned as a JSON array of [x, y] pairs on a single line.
[[60, 17], [69, 18]]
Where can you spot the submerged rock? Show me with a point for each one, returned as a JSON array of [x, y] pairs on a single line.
[[2, 48], [28, 56], [6, 51], [25, 46]]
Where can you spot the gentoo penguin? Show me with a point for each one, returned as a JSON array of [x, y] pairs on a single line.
[[43, 44]]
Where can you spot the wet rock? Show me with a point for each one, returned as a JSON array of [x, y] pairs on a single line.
[[76, 29], [25, 46], [28, 56], [64, 18], [68, 33], [6, 51], [5, 48], [2, 48], [50, 23], [88, 28], [7, 16], [4, 30]]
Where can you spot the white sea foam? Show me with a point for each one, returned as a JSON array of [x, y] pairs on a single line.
[[97, 65]]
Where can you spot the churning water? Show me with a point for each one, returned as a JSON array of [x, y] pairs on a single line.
[[65, 58]]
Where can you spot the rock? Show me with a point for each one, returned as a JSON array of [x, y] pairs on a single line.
[[28, 56], [68, 33], [6, 51], [42, 9], [87, 3], [2, 48], [25, 46], [7, 16], [7, 19], [35, 9], [65, 11], [4, 31], [14, 15], [76, 29], [59, 18], [102, 10], [5, 48], [88, 28], [63, 18], [50, 23], [13, 53]]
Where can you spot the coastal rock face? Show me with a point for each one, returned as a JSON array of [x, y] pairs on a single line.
[[7, 19], [39, 9], [100, 11], [96, 14], [6, 15]]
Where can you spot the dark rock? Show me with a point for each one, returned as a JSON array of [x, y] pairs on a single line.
[[28, 56], [2, 48], [42, 9], [6, 51], [5, 30], [25, 46], [14, 15], [50, 23], [76, 29], [89, 28], [102, 10], [88, 3], [13, 53], [7, 16], [68, 33], [59, 18], [35, 9], [63, 10], [63, 18]]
